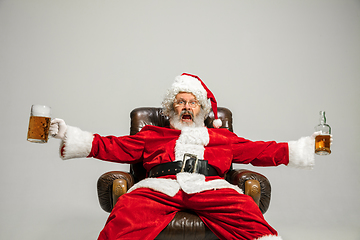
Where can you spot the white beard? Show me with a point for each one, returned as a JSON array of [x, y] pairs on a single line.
[[198, 121], [194, 135]]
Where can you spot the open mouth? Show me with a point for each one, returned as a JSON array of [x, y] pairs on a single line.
[[186, 117]]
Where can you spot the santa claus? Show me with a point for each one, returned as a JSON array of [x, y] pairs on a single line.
[[186, 163]]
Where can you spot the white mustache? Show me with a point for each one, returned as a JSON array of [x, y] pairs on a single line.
[[186, 112]]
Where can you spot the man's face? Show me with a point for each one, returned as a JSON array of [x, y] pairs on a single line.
[[186, 108]]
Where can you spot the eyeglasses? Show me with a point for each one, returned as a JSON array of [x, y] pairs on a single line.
[[182, 103]]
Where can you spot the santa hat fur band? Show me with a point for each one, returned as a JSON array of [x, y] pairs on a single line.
[[192, 84]]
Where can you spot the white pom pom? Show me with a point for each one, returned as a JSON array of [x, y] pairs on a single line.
[[217, 123]]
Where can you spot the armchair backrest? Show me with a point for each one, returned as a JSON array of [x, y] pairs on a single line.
[[141, 117]]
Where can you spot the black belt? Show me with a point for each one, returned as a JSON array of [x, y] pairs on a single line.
[[191, 165]]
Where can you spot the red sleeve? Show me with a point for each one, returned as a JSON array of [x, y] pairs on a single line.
[[260, 153], [126, 149]]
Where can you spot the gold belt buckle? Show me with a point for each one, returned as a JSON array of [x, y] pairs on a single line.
[[186, 157]]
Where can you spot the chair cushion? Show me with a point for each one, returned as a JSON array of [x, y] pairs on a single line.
[[186, 225]]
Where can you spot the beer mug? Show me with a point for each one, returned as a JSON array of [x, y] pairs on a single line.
[[39, 124]]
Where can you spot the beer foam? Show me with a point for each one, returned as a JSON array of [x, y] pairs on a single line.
[[40, 111]]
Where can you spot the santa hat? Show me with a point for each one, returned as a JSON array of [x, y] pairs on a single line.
[[193, 84]]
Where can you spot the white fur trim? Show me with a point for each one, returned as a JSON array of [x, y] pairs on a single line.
[[301, 153], [190, 183], [217, 123], [192, 140], [165, 185], [77, 143], [194, 183], [269, 237]]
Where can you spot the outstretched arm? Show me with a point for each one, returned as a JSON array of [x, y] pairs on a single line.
[[77, 143], [298, 153]]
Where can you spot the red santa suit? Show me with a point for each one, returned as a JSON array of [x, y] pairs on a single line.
[[160, 198], [156, 145]]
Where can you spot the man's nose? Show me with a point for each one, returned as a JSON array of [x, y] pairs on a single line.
[[187, 106]]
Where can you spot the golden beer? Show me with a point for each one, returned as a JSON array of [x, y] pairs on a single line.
[[38, 129], [322, 145], [39, 124]]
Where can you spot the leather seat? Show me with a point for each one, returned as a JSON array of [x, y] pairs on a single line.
[[186, 224]]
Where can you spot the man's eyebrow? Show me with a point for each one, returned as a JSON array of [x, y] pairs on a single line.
[[191, 100]]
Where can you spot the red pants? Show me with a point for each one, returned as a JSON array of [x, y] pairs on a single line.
[[144, 213]]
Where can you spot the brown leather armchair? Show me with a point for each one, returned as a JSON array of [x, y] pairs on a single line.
[[186, 224]]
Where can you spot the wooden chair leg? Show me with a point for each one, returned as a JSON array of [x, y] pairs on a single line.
[[119, 188], [252, 188]]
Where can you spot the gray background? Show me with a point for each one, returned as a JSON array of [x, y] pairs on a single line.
[[275, 64]]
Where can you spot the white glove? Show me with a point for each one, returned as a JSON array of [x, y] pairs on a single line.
[[58, 128]]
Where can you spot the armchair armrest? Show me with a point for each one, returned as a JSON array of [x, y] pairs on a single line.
[[253, 184], [111, 186]]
